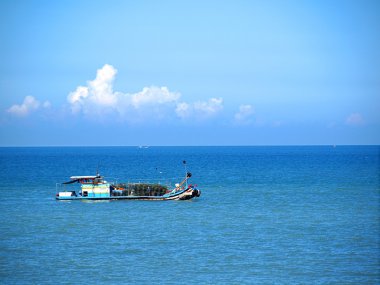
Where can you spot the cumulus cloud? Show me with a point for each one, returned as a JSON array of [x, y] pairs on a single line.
[[210, 107], [183, 110], [46, 104], [98, 95], [77, 97], [199, 109], [244, 114], [97, 98], [29, 105], [355, 119], [153, 95]]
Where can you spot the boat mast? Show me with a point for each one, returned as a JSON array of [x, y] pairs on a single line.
[[184, 163]]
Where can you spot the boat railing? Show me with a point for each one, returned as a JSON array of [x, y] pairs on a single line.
[[169, 183], [162, 181], [60, 187]]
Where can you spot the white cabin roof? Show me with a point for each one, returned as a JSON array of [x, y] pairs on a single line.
[[83, 177]]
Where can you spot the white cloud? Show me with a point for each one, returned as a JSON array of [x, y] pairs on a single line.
[[244, 114], [46, 104], [200, 109], [154, 95], [98, 98], [76, 98], [355, 119], [183, 110], [29, 105], [100, 89], [98, 95], [210, 107]]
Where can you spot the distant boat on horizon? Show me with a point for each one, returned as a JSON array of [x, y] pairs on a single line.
[[143, 146]]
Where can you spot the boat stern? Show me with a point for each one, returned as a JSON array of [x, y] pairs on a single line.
[[66, 195]]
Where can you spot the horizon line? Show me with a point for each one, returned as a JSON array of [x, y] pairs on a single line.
[[148, 146]]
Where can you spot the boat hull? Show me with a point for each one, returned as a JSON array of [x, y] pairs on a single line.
[[181, 195]]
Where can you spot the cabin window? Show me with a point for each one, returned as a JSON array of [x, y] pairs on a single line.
[[85, 193]]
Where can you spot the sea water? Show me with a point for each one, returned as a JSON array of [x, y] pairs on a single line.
[[267, 215]]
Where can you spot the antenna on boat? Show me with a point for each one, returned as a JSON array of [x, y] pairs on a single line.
[[184, 163], [97, 171]]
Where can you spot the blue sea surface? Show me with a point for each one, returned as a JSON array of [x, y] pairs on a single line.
[[267, 215]]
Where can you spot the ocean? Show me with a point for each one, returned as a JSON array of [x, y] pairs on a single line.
[[267, 215]]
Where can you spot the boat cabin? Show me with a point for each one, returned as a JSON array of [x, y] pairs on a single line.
[[91, 186]]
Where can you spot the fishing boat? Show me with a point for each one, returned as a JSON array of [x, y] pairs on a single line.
[[96, 188]]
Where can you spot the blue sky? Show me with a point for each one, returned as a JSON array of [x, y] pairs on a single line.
[[189, 72]]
